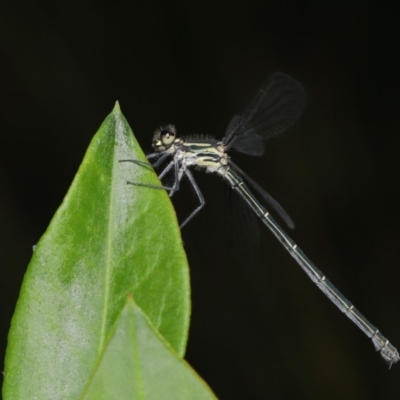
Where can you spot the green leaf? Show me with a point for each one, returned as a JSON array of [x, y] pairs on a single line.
[[139, 364], [107, 239]]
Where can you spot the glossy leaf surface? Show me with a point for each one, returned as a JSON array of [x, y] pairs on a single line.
[[107, 239], [139, 364]]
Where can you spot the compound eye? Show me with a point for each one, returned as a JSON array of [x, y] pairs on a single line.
[[167, 136]]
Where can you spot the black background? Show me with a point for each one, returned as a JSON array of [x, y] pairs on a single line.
[[260, 329]]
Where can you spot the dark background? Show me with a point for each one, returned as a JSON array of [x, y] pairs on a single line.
[[260, 329]]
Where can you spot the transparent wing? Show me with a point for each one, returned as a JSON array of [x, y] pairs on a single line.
[[276, 107], [242, 234], [266, 196]]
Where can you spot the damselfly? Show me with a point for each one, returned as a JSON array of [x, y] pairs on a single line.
[[277, 106]]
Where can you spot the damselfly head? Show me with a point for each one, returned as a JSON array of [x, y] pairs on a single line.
[[163, 137]]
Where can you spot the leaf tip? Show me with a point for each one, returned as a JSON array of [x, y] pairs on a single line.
[[117, 108], [130, 301]]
